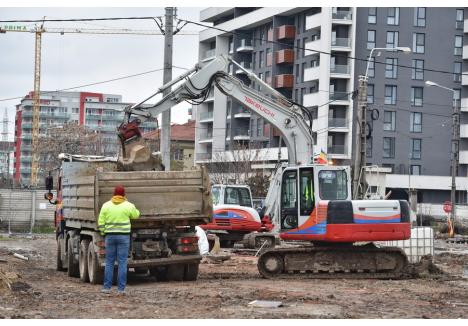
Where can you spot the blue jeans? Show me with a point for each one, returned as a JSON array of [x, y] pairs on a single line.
[[117, 246]]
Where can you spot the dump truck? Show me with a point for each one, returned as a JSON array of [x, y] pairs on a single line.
[[163, 240]]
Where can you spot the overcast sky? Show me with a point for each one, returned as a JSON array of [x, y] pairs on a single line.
[[72, 59]]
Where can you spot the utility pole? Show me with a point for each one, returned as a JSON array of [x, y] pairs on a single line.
[[360, 141], [167, 77], [455, 157]]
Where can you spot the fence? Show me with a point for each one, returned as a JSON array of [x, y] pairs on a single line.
[[22, 210]]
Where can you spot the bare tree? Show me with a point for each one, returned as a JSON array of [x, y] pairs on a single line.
[[68, 138]]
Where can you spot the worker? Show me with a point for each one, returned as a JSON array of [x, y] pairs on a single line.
[[114, 224]]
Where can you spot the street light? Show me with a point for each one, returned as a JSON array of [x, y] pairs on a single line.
[[455, 151], [360, 132]]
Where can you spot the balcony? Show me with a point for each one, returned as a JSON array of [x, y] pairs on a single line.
[[26, 125], [209, 55], [245, 65], [242, 113], [343, 70], [206, 136], [339, 96], [285, 56], [286, 32], [26, 147], [312, 46], [311, 99], [463, 157], [284, 81], [344, 43], [463, 131], [94, 117], [104, 128], [465, 52], [312, 73], [26, 158], [203, 156], [338, 123], [245, 45], [313, 21], [464, 79], [25, 169], [343, 15], [336, 149], [206, 116], [464, 104], [241, 134], [26, 136]]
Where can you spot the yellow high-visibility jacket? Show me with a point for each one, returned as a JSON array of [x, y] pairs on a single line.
[[115, 216]]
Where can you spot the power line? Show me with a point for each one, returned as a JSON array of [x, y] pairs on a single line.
[[77, 19], [95, 83], [315, 51]]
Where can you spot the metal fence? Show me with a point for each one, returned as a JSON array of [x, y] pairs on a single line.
[[22, 210]]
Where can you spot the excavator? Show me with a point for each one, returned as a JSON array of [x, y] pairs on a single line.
[[309, 204]]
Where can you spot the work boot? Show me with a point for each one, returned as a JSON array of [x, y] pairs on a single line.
[[105, 291], [121, 293]]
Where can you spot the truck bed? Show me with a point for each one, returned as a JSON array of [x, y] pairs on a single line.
[[179, 198]]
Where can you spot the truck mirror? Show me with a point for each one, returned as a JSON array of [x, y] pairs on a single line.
[[49, 182]]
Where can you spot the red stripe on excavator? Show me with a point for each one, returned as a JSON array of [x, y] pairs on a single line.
[[356, 233]]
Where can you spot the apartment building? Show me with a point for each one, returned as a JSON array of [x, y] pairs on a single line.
[[99, 112], [321, 81]]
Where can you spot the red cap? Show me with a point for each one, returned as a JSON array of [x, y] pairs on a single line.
[[119, 191]]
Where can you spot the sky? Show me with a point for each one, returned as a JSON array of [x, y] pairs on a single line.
[[71, 60]]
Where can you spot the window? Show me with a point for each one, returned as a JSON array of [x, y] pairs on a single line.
[[75, 110], [370, 93], [304, 66], [393, 16], [391, 67], [178, 154], [458, 45], [389, 120], [420, 17], [369, 147], [371, 72], [456, 96], [416, 122], [416, 96], [416, 149], [262, 35], [261, 60], [389, 147], [392, 39], [390, 94], [459, 19], [457, 70], [418, 42], [417, 72], [288, 193], [259, 127], [269, 57], [416, 169], [370, 40], [307, 191], [237, 196], [298, 75], [372, 17], [333, 184]]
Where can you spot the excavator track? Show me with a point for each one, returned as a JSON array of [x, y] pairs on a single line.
[[330, 262]]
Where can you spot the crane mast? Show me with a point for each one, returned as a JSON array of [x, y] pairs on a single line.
[[36, 106]]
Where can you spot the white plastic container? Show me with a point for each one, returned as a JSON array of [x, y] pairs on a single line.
[[420, 244]]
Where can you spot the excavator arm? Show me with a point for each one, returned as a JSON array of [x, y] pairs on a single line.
[[291, 119]]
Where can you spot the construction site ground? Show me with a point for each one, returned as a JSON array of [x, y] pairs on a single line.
[[225, 289]]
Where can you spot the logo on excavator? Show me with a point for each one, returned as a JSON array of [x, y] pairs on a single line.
[[258, 106]]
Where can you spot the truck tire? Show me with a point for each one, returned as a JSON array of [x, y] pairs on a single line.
[[59, 264], [72, 264], [191, 272], [95, 272], [175, 272], [160, 273], [83, 260]]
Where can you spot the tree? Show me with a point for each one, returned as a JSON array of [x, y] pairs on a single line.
[[68, 138]]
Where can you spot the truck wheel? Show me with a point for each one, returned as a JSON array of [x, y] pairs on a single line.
[[83, 260], [95, 272], [191, 272], [160, 273], [73, 270], [59, 266], [175, 272]]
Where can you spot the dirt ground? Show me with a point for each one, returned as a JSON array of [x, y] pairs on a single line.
[[224, 290]]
